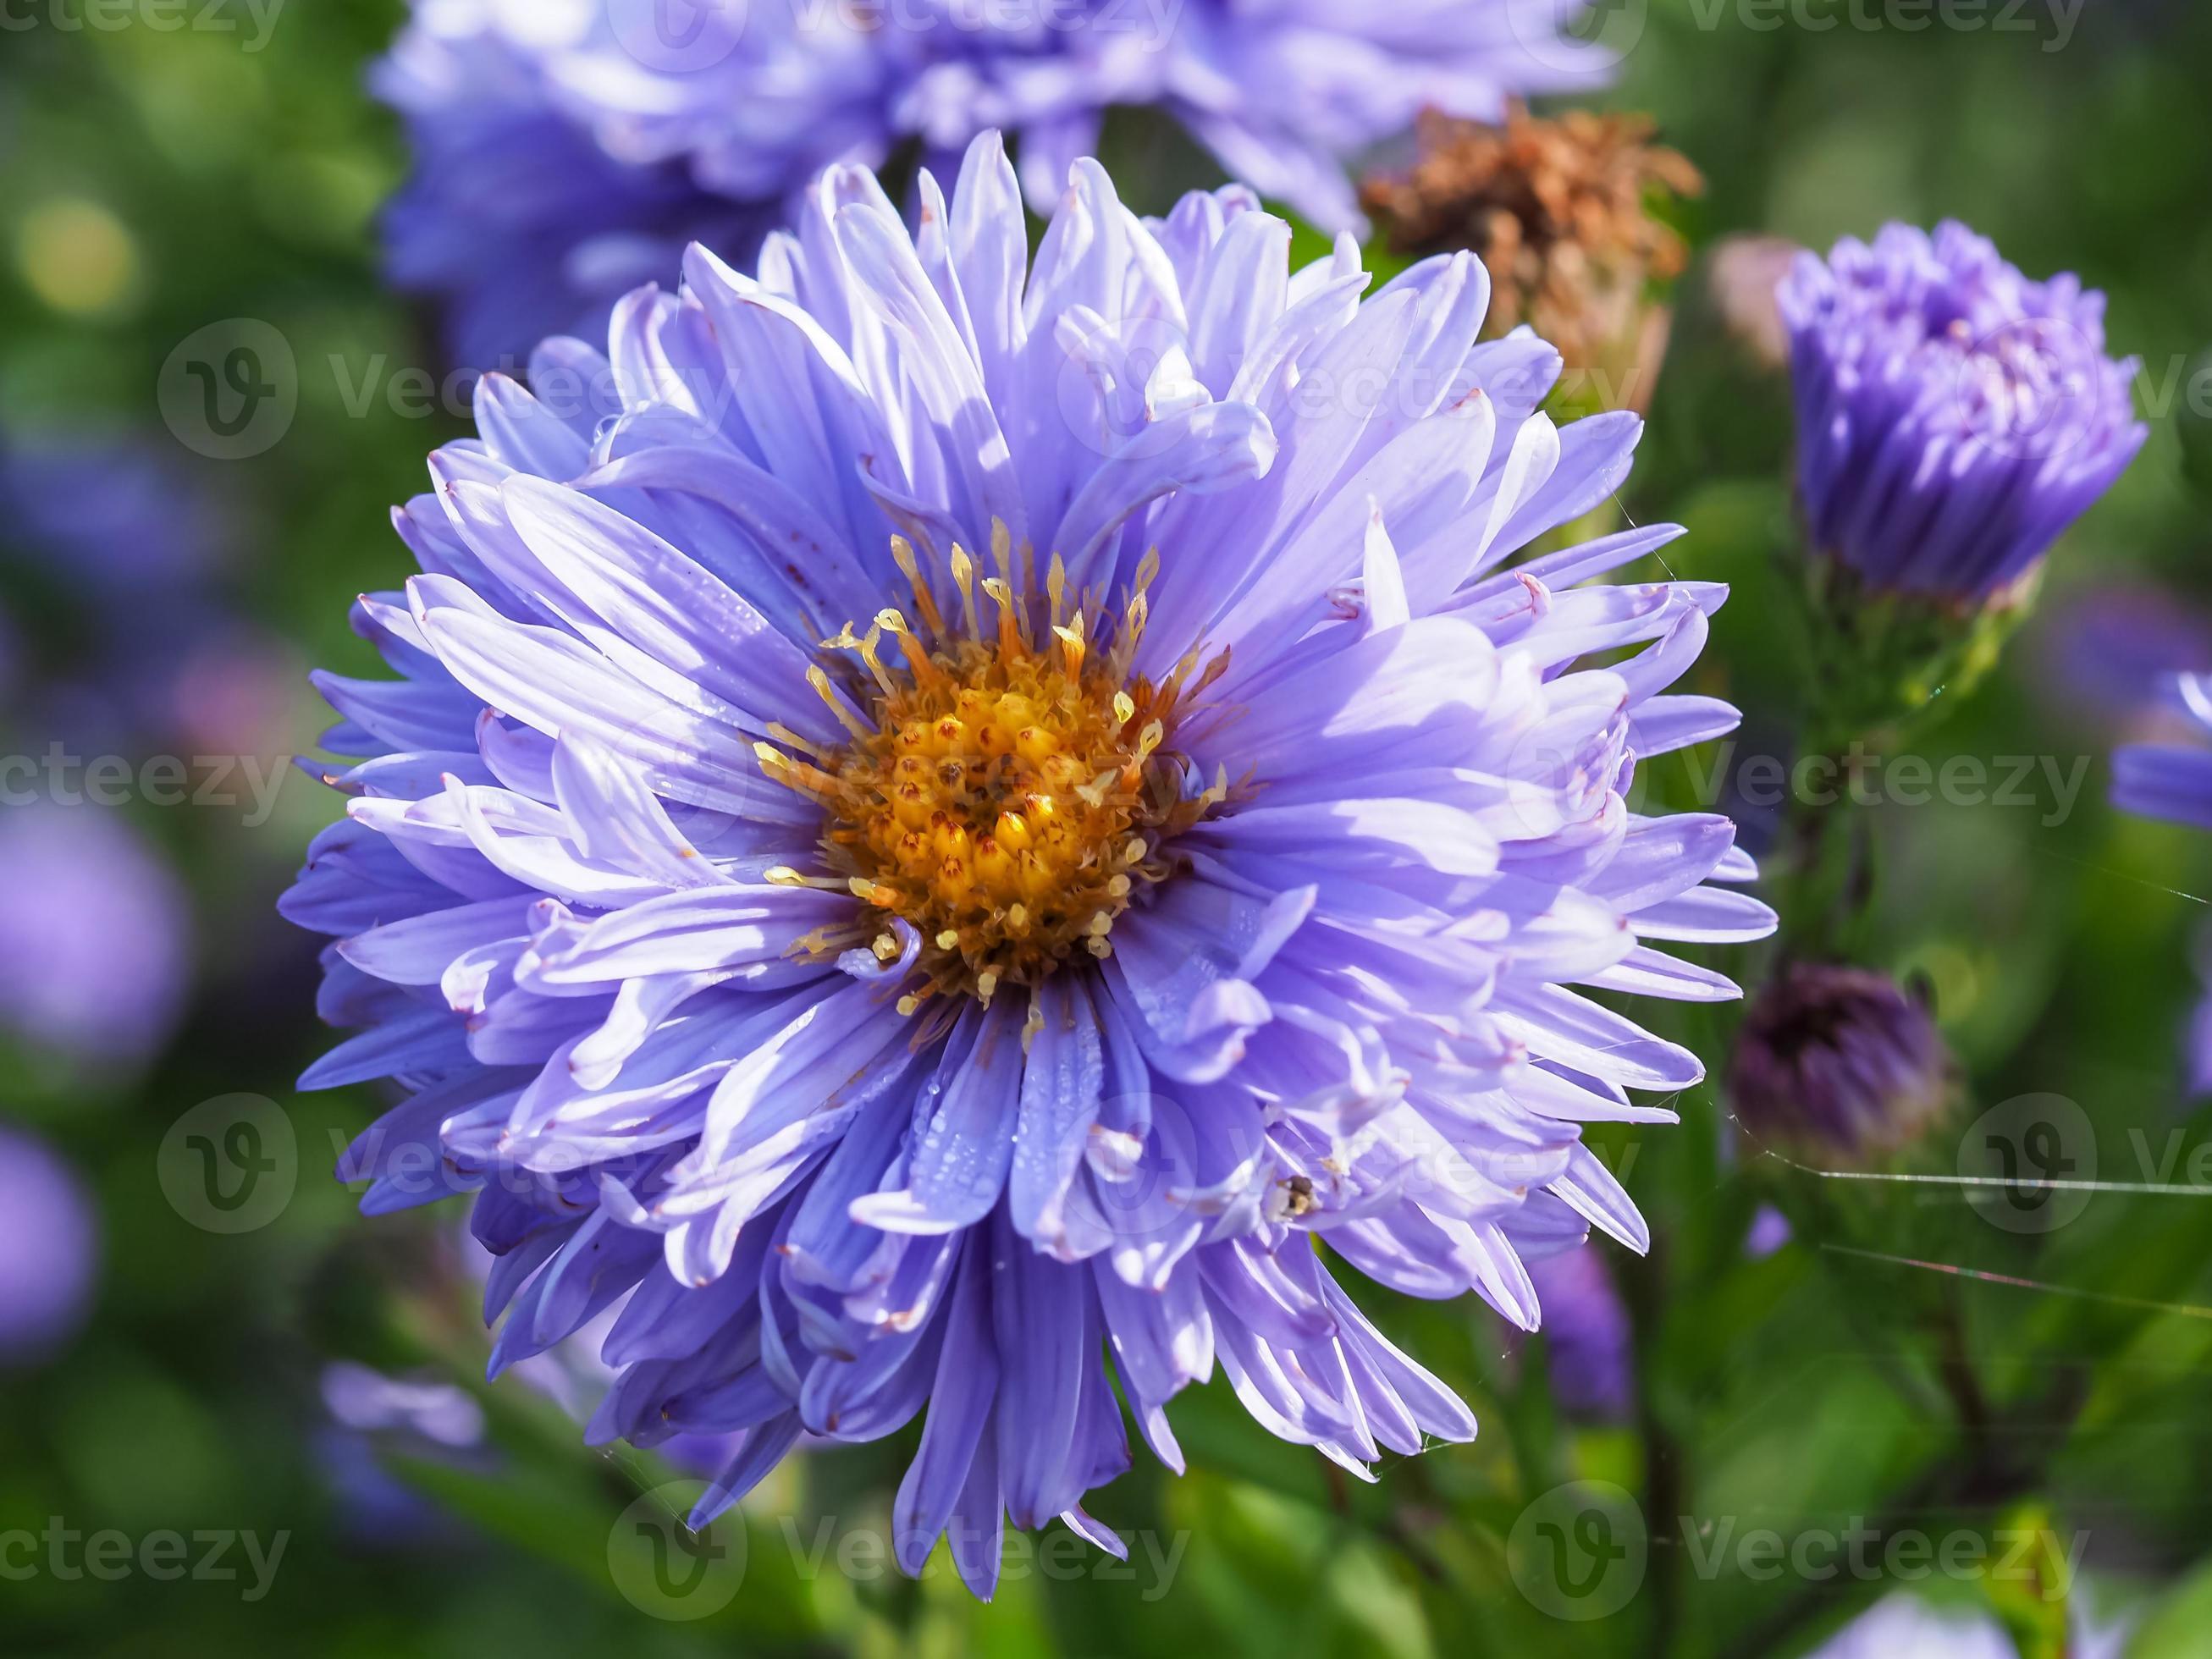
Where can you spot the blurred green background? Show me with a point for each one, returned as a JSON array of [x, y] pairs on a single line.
[[159, 182]]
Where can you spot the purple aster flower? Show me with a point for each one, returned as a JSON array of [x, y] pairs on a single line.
[[975, 807], [2110, 652], [2170, 781], [1770, 1231], [372, 1414], [2173, 780], [1586, 1335], [1839, 1061], [1953, 417], [93, 947], [1903, 1626], [369, 1402], [575, 1376], [49, 1250], [125, 533], [516, 215], [112, 516], [566, 148], [2197, 1046]]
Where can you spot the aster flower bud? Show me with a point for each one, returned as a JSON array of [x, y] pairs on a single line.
[[1560, 212], [1954, 419], [1839, 1062]]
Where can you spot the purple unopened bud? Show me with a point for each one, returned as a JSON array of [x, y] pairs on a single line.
[[1840, 1062], [1953, 417]]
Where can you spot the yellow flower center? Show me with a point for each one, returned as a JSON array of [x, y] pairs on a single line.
[[1008, 791]]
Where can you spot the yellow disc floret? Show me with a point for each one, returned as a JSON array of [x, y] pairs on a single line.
[[1009, 789]]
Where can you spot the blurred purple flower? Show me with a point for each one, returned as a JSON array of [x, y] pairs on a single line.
[[2173, 781], [371, 1415], [566, 150], [1587, 1337], [49, 1248], [1770, 1231], [1903, 1626], [1839, 1061], [115, 516], [127, 538], [93, 947], [2110, 651], [1954, 417], [2170, 781], [519, 216], [442, 1413]]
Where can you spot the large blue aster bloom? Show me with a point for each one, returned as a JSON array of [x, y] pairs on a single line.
[[566, 147], [943, 818], [1954, 418]]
